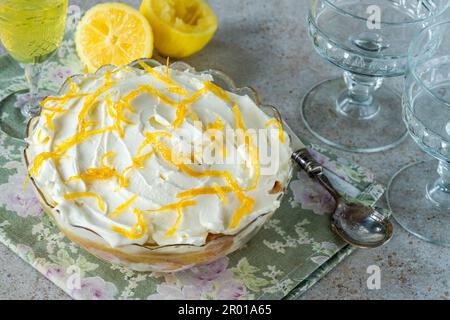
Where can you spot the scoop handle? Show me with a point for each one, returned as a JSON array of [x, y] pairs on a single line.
[[314, 169]]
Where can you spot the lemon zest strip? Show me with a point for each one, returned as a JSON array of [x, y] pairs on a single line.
[[183, 106], [137, 231], [173, 206], [177, 90], [203, 191], [218, 125], [76, 195], [91, 101], [116, 111], [50, 113], [138, 162], [220, 193], [218, 91], [105, 157], [174, 228], [178, 206], [253, 150], [164, 78], [39, 138], [62, 148], [247, 202], [280, 128], [123, 206], [167, 67], [153, 91]]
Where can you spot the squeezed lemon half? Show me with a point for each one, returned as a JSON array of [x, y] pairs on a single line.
[[181, 27], [113, 33]]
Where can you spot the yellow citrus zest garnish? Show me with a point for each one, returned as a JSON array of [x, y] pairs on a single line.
[[91, 102], [220, 193], [168, 67], [219, 126], [193, 115], [203, 191], [177, 90], [246, 208], [113, 33], [50, 112], [105, 157], [280, 128], [181, 27], [163, 78], [164, 98], [178, 208], [182, 107], [93, 174], [76, 195], [116, 111], [246, 202], [62, 148], [253, 150], [138, 162], [218, 91], [71, 94], [137, 231], [123, 206], [174, 206], [39, 138], [102, 173], [174, 228], [150, 137]]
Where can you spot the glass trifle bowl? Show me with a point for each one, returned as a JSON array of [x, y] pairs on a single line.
[[79, 180]]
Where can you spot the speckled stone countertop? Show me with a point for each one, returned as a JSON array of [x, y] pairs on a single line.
[[264, 44]]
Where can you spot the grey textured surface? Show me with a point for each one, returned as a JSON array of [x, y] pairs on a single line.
[[264, 44]]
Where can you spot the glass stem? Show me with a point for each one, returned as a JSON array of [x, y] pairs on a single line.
[[32, 75], [439, 191], [358, 101], [444, 176]]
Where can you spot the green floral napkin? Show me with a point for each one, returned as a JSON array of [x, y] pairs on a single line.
[[294, 250]]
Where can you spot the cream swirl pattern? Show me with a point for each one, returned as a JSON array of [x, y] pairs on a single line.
[[104, 153]]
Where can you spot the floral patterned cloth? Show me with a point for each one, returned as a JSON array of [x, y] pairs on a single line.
[[293, 251]]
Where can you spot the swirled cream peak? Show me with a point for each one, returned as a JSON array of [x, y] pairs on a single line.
[[112, 154]]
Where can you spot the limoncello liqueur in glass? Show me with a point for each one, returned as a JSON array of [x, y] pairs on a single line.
[[31, 30]]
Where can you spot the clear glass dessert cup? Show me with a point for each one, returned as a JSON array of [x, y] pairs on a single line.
[[419, 195], [152, 257], [368, 39], [31, 32]]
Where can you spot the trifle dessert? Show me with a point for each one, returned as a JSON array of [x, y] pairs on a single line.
[[155, 168]]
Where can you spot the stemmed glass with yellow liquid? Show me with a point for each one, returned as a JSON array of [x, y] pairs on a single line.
[[31, 31]]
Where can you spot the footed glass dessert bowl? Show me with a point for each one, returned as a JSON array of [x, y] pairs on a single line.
[[158, 168]]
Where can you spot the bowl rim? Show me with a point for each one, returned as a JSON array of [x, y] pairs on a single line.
[[388, 23], [412, 65]]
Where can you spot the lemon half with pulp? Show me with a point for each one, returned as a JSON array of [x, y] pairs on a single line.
[[113, 33], [181, 27]]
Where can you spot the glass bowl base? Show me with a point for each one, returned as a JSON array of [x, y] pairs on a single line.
[[384, 130], [438, 196], [412, 209]]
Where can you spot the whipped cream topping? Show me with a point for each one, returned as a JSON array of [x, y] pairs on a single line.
[[103, 152]]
